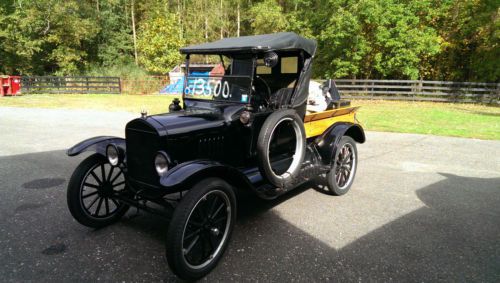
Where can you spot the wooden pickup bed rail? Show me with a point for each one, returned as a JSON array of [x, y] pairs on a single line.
[[316, 123]]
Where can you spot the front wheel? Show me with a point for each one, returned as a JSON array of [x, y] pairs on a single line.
[[343, 170], [200, 228], [90, 192]]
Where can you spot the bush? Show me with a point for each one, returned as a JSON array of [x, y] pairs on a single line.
[[127, 71]]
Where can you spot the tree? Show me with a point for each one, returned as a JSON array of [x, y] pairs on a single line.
[[393, 39], [471, 33], [113, 43], [158, 43], [48, 36], [375, 39], [267, 17]]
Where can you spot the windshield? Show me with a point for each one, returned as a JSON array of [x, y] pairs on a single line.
[[230, 88], [227, 79]]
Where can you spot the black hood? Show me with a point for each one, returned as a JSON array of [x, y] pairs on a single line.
[[185, 122]]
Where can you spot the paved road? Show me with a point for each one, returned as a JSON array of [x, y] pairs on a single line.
[[422, 208]]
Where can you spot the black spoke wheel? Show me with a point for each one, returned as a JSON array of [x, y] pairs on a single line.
[[91, 192], [200, 228], [343, 170]]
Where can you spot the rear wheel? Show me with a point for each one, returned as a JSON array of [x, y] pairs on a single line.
[[90, 192], [341, 175], [200, 228]]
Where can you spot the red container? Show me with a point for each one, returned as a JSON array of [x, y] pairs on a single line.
[[10, 85]]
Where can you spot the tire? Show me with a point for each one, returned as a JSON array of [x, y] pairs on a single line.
[[340, 178], [87, 192], [193, 230], [263, 146]]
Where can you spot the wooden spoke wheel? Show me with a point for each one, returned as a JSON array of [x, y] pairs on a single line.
[[341, 175], [91, 192]]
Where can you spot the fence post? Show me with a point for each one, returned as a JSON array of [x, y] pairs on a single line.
[[419, 88], [87, 83], [119, 85], [498, 93]]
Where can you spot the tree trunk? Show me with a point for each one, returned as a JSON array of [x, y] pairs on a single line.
[[206, 21], [238, 14], [134, 33], [181, 30], [221, 21]]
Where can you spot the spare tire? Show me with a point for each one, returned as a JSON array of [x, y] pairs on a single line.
[[281, 137]]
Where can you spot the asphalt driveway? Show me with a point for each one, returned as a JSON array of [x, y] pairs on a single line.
[[422, 208]]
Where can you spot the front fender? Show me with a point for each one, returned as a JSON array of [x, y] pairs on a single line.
[[96, 144], [326, 144], [187, 174]]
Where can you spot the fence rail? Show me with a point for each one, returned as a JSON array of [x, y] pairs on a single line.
[[74, 84], [442, 91]]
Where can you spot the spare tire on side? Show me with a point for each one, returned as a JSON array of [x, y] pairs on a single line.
[[291, 128]]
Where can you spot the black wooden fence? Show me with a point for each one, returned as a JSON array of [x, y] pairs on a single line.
[[443, 91], [52, 84]]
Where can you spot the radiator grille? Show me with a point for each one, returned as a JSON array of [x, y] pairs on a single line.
[[142, 147]]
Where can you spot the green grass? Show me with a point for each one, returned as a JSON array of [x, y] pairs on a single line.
[[445, 119], [109, 102]]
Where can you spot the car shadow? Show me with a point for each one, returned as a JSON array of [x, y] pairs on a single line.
[[455, 236]]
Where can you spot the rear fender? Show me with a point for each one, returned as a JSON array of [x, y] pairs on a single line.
[[326, 144], [96, 144], [185, 175]]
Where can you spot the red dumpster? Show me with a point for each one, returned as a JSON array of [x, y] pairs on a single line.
[[10, 85]]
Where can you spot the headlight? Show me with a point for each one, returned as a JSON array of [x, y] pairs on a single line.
[[113, 154], [161, 163]]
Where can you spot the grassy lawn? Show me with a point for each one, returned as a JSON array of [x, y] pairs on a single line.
[[445, 119], [109, 102]]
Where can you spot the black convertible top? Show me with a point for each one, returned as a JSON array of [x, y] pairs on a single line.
[[254, 44]]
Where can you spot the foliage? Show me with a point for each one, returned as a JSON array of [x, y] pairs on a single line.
[[47, 36], [471, 47], [159, 44], [114, 41], [125, 71], [377, 39], [267, 17], [393, 39]]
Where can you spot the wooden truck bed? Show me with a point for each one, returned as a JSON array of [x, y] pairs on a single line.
[[316, 123]]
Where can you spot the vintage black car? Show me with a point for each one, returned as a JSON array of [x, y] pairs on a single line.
[[243, 128]]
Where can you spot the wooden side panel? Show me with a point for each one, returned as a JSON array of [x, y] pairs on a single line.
[[316, 123]]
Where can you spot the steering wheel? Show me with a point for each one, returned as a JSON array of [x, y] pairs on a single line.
[[260, 83]]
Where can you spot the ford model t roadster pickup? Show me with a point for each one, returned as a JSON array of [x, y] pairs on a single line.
[[242, 126]]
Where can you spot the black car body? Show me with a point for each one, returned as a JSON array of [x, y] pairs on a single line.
[[243, 128]]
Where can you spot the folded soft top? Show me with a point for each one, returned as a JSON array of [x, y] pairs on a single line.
[[254, 44]]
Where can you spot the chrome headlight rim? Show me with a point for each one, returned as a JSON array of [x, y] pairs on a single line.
[[113, 154], [161, 163]]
